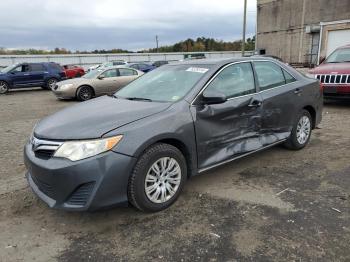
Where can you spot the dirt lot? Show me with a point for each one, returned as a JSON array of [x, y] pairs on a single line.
[[278, 205]]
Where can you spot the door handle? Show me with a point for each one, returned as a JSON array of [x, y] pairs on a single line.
[[255, 103], [297, 91]]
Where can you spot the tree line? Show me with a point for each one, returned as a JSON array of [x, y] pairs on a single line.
[[201, 44]]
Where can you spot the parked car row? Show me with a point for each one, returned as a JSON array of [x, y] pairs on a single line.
[[47, 74]]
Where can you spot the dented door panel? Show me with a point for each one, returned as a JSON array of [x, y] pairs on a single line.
[[228, 129]]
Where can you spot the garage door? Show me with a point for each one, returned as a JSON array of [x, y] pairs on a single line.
[[336, 39]]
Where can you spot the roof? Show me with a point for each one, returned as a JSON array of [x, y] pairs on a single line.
[[219, 61]]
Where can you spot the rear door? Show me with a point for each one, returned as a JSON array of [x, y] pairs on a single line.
[[281, 98], [126, 75], [36, 74], [227, 130]]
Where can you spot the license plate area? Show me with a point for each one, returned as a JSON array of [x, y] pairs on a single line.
[[330, 89]]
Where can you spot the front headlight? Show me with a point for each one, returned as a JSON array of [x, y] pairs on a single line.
[[65, 86], [77, 150]]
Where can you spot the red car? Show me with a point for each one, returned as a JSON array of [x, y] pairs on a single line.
[[73, 71], [334, 73]]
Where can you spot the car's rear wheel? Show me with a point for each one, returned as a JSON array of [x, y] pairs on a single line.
[[50, 84], [85, 93], [158, 178], [4, 87], [301, 132]]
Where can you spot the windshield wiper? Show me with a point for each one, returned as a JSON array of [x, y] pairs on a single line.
[[139, 99]]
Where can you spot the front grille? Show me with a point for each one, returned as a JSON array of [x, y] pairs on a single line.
[[43, 148], [44, 154], [334, 79], [81, 195], [44, 187]]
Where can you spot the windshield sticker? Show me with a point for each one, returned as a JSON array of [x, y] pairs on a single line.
[[197, 70]]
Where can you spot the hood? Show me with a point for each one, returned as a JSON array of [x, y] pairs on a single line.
[[332, 68], [92, 119]]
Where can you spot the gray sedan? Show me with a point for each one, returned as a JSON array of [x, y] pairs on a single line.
[[96, 83], [140, 145]]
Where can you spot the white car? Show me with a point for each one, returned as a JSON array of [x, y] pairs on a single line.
[[107, 64]]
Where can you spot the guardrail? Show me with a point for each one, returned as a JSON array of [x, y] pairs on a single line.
[[87, 60]]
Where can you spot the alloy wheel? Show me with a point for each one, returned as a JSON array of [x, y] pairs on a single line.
[[85, 93], [303, 130], [162, 180], [3, 87], [52, 83]]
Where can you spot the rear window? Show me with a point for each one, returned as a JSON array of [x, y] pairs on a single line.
[[56, 67], [37, 67]]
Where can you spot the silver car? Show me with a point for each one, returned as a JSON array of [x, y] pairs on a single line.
[[96, 83]]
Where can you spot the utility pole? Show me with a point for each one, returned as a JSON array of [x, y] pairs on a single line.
[[244, 26], [157, 42]]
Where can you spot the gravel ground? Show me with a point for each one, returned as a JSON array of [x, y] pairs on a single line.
[[277, 205]]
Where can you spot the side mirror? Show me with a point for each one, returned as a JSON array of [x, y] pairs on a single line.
[[213, 97], [101, 77]]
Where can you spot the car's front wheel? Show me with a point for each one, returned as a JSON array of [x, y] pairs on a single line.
[[85, 93], [4, 87], [158, 178], [301, 131]]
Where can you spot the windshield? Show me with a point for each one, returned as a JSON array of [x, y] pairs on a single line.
[[339, 56], [166, 84], [9, 68], [92, 74]]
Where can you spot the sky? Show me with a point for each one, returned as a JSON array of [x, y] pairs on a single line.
[[128, 24]]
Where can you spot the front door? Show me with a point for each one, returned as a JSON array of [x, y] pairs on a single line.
[[227, 130], [106, 81], [20, 75]]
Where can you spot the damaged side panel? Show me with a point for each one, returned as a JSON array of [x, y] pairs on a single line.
[[229, 129]]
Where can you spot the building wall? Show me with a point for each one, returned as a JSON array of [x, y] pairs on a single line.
[[281, 25]]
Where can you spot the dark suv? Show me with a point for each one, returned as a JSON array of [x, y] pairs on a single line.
[[45, 75]]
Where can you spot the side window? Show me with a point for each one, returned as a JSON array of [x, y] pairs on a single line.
[[17, 69], [36, 67], [269, 75], [126, 72], [235, 80], [289, 78], [110, 73]]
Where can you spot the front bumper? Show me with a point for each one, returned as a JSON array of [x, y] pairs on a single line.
[[64, 94], [336, 91], [89, 184]]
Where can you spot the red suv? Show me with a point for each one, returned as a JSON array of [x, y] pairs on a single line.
[[73, 71], [334, 73]]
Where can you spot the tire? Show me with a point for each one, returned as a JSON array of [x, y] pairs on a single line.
[[145, 168], [85, 93], [4, 87], [301, 131], [50, 83]]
